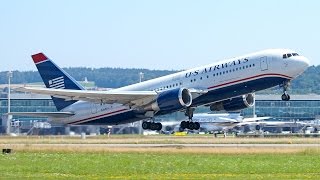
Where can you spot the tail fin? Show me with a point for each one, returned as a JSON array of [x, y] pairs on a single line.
[[55, 77]]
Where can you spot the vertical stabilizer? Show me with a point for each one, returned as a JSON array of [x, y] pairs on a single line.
[[55, 77]]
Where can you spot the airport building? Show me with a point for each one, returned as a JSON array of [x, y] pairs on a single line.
[[299, 108]]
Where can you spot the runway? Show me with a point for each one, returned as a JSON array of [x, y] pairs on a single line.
[[167, 145]]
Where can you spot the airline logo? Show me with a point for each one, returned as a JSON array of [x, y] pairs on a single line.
[[57, 83]]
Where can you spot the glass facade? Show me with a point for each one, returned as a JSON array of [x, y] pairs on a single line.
[[301, 107], [26, 105]]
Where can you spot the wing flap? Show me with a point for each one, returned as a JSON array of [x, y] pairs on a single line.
[[43, 114], [122, 97]]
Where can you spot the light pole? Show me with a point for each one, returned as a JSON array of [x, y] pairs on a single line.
[[9, 103], [141, 76], [254, 106]]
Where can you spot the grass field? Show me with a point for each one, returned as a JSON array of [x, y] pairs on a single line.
[[133, 165], [40, 158]]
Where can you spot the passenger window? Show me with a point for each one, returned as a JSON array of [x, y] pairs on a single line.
[[289, 55]]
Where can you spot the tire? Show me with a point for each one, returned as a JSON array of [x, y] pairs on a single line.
[[183, 125], [191, 126], [153, 126], [159, 126], [285, 97], [145, 125], [196, 125]]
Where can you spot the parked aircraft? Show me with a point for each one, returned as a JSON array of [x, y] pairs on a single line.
[[224, 85], [215, 122]]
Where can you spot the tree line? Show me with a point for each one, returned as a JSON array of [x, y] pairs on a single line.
[[308, 82]]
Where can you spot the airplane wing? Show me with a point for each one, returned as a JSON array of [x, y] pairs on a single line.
[[122, 97], [43, 114]]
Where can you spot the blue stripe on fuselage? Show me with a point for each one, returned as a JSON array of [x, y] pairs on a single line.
[[122, 118]]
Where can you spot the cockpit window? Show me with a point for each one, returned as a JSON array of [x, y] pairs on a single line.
[[289, 55]]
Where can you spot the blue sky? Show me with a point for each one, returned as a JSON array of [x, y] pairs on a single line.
[[153, 34]]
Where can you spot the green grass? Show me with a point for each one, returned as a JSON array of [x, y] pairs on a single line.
[[50, 165]]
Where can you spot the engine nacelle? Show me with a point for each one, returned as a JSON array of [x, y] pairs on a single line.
[[171, 100], [234, 104]]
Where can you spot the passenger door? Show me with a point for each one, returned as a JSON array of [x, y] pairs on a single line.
[[264, 63]]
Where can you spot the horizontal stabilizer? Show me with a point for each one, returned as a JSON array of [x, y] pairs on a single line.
[[43, 114]]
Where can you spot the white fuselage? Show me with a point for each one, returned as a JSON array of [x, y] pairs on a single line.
[[224, 79]]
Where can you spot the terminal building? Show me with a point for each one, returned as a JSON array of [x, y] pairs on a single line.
[[299, 108]]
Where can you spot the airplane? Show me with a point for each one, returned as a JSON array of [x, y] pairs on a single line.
[[215, 122], [225, 85]]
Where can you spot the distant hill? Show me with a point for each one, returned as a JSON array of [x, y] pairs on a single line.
[[308, 82], [103, 77]]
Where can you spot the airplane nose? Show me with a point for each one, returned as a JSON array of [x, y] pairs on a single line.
[[304, 61]]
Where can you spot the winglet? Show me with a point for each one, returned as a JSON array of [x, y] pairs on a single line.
[[37, 58]]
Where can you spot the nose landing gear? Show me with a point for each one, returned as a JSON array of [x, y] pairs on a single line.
[[285, 96]]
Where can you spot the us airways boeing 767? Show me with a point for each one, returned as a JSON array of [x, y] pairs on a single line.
[[226, 85]]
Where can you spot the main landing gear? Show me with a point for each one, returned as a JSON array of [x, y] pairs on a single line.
[[147, 125], [285, 96], [189, 124]]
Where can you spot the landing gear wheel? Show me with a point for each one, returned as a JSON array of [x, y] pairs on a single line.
[[285, 97], [158, 126], [153, 126], [196, 125], [183, 125], [145, 125], [191, 126]]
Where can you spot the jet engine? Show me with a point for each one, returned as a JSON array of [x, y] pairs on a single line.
[[171, 100], [234, 104]]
